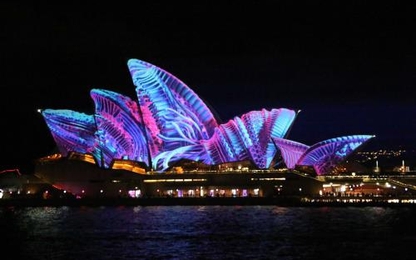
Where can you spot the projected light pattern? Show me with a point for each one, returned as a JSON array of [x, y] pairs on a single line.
[[248, 137], [290, 151], [323, 156], [245, 138], [172, 113], [119, 128], [169, 122], [72, 131]]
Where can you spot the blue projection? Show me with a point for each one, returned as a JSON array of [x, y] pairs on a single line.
[[323, 156], [169, 122]]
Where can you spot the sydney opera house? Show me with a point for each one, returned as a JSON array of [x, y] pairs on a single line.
[[167, 142]]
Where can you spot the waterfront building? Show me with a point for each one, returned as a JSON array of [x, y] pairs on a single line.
[[168, 131]]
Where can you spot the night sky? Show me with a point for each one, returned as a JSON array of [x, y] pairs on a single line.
[[350, 66]]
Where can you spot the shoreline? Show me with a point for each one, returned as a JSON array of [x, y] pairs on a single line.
[[227, 201]]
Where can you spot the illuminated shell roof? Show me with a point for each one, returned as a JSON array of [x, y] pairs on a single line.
[[168, 122], [323, 156]]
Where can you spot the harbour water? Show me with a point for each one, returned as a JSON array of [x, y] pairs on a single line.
[[208, 232]]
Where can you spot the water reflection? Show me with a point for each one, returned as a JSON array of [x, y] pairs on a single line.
[[207, 232]]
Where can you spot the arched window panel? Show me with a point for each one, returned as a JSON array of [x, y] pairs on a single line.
[[120, 134], [163, 97], [290, 150], [72, 131], [325, 155]]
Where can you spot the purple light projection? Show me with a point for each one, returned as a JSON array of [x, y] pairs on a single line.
[[169, 122], [120, 130], [245, 138], [72, 131], [324, 156]]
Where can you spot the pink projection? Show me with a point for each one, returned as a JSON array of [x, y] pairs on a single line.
[[323, 156], [168, 122]]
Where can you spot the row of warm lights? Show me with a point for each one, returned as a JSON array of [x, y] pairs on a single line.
[[173, 180], [136, 193], [388, 185], [212, 192], [382, 152], [2, 192], [366, 200], [411, 201], [352, 200]]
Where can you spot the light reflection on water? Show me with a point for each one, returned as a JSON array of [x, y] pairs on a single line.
[[208, 232]]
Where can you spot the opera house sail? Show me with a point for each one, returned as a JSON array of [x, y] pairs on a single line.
[[323, 156], [167, 122]]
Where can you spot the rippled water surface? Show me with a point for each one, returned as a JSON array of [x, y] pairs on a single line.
[[208, 232]]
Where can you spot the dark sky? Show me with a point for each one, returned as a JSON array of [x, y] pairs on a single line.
[[350, 66]]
